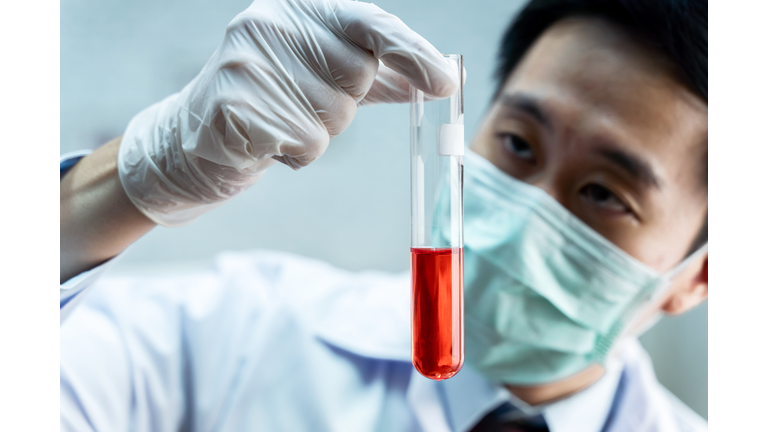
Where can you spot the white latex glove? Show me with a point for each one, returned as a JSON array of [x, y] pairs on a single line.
[[287, 78]]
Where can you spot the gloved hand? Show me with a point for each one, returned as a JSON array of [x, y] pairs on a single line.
[[287, 78]]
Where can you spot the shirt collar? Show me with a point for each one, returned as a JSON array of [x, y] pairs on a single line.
[[588, 409], [469, 397]]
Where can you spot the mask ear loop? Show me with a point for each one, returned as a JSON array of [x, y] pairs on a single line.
[[634, 328]]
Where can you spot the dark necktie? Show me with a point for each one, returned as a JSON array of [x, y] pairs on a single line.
[[499, 420]]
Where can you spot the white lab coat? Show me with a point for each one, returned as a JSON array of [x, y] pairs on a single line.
[[268, 341]]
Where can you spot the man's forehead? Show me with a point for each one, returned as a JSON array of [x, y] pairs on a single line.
[[601, 63]]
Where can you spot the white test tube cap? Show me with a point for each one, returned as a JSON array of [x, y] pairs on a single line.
[[451, 140]]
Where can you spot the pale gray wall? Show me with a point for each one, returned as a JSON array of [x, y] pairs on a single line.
[[349, 208]]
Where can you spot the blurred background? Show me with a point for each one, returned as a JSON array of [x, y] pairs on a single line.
[[351, 207]]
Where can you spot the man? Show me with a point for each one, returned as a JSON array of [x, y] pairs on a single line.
[[585, 217]]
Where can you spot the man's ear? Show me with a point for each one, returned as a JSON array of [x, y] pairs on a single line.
[[690, 288]]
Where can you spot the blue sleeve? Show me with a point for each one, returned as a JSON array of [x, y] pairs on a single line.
[[73, 290]]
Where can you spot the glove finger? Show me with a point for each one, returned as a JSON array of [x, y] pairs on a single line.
[[388, 87], [335, 108], [351, 67], [391, 87], [398, 47]]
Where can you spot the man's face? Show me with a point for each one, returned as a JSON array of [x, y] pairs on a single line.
[[605, 126]]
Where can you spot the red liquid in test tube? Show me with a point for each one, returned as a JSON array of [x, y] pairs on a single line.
[[437, 334]]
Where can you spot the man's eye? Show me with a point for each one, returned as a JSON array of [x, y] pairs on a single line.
[[603, 197], [517, 146]]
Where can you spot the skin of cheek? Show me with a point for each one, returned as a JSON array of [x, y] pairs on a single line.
[[666, 245]]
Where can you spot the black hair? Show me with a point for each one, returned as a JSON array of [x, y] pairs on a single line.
[[676, 28]]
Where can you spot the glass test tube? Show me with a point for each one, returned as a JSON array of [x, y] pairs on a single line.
[[437, 239]]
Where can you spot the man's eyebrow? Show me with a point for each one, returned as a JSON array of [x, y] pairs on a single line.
[[527, 104], [632, 164]]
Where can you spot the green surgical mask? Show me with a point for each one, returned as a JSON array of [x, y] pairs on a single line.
[[545, 295]]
